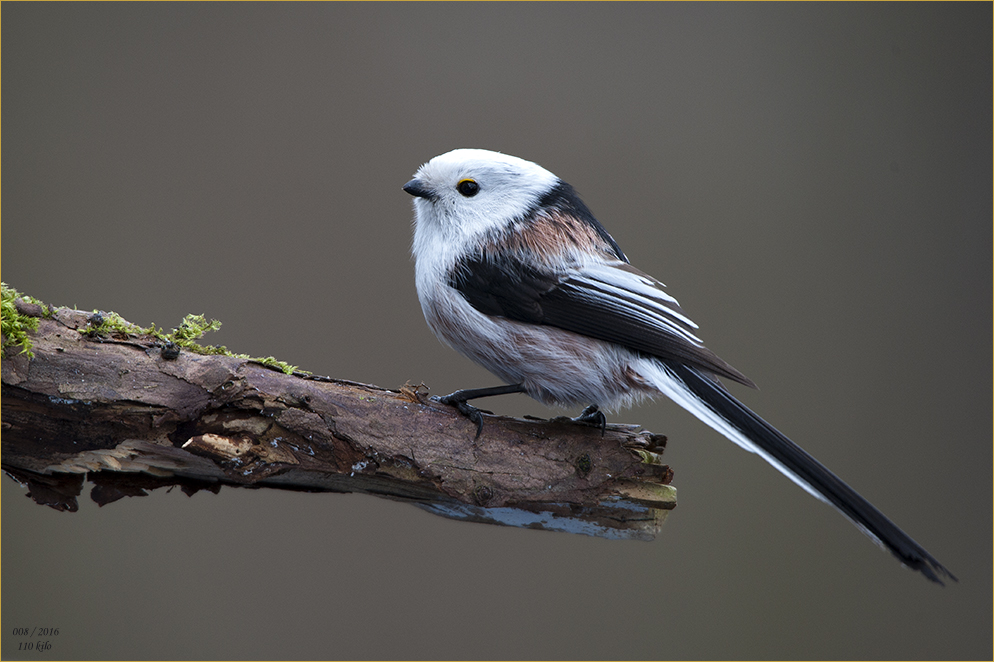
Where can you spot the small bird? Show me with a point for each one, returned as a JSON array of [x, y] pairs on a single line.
[[514, 272]]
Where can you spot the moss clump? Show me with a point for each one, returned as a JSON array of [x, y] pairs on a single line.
[[185, 336], [14, 325]]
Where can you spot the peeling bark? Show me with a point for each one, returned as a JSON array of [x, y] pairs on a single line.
[[131, 415]]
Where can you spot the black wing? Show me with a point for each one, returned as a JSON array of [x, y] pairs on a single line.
[[609, 301]]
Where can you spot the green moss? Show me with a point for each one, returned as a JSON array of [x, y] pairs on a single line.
[[185, 336], [648, 457], [14, 325]]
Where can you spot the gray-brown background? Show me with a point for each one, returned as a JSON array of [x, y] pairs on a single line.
[[812, 182]]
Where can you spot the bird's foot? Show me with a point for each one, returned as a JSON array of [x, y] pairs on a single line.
[[474, 414], [592, 415], [458, 400]]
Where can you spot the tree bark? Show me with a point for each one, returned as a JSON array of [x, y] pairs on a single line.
[[130, 414]]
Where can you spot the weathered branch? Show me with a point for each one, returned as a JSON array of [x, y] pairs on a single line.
[[130, 413]]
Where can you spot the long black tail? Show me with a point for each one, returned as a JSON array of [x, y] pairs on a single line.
[[714, 405]]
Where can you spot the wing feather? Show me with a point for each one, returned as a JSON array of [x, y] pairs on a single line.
[[610, 301]]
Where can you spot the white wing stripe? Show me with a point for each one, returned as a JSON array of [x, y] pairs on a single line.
[[630, 302], [627, 281]]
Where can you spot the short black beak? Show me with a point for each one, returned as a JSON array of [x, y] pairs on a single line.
[[418, 190]]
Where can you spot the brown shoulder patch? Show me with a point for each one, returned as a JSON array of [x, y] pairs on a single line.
[[548, 235]]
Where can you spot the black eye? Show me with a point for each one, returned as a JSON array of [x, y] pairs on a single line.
[[468, 187]]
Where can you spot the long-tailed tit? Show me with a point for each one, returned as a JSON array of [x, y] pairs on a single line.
[[514, 272]]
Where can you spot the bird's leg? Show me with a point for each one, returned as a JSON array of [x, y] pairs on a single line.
[[593, 416], [458, 399]]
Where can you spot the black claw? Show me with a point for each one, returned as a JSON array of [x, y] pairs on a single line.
[[473, 414], [458, 400], [469, 411], [593, 416]]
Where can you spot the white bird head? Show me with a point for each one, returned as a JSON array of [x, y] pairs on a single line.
[[466, 192]]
